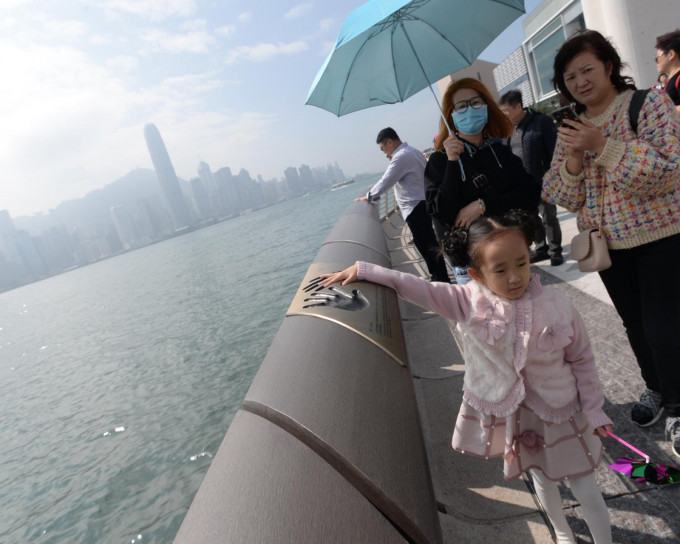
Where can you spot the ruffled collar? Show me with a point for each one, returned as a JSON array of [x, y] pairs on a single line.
[[534, 288], [493, 313]]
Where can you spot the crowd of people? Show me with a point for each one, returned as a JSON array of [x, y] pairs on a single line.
[[487, 193]]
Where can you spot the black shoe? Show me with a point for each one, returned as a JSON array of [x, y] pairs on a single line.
[[673, 434], [648, 410], [537, 256], [556, 260]]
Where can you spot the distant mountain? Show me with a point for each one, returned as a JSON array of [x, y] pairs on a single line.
[[92, 210]]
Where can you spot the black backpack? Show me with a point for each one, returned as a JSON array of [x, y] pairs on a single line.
[[635, 107]]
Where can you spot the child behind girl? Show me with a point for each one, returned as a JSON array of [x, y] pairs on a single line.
[[531, 391]]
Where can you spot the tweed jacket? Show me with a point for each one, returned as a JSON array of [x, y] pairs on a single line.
[[533, 350], [638, 172]]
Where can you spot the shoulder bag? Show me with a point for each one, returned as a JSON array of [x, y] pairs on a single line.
[[589, 247]]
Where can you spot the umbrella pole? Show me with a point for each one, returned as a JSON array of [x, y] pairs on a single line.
[[429, 86]]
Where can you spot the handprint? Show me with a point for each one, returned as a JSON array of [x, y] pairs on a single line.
[[338, 299]]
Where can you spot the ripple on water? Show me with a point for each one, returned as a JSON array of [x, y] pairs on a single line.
[[119, 380]]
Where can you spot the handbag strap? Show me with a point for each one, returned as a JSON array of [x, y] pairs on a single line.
[[604, 183]]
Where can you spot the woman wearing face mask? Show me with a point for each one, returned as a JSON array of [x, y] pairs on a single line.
[[472, 172]]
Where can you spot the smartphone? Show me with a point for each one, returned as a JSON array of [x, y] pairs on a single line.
[[567, 112]]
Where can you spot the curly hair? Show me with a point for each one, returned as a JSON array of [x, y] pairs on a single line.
[[498, 125], [462, 244], [602, 48]]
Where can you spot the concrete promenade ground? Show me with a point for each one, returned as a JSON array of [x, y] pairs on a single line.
[[476, 505]]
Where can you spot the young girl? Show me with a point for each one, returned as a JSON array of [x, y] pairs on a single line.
[[531, 391]]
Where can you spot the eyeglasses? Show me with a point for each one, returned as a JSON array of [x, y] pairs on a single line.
[[656, 59], [475, 103]]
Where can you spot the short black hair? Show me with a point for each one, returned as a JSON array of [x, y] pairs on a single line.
[[386, 134], [669, 42], [512, 98]]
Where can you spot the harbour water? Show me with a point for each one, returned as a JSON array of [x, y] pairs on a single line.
[[119, 380]]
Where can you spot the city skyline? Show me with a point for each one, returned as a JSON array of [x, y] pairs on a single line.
[[225, 82], [132, 215]]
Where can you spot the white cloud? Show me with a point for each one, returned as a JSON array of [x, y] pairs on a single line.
[[226, 30], [326, 24], [156, 10], [221, 138], [193, 41], [298, 11], [264, 51], [123, 63], [64, 30], [245, 17], [71, 124], [8, 5]]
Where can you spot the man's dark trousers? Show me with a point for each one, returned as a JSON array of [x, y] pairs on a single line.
[[420, 224], [548, 226]]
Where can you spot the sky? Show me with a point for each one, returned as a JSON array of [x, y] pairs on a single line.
[[225, 82]]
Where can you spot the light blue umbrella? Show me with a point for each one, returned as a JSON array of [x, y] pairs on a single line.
[[389, 50]]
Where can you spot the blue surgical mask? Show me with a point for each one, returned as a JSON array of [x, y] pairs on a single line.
[[472, 120]]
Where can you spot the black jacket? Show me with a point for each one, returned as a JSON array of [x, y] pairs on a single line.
[[538, 142], [509, 184]]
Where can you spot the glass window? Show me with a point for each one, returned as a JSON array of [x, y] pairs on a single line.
[[547, 31], [544, 56]]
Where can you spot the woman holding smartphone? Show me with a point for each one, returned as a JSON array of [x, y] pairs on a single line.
[[602, 166], [472, 172]]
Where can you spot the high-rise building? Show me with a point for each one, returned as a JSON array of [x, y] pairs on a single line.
[[166, 176], [230, 202], [8, 237], [293, 180], [200, 198], [206, 177], [125, 226]]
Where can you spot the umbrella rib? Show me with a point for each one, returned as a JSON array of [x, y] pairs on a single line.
[[394, 68], [447, 41], [508, 5], [349, 72]]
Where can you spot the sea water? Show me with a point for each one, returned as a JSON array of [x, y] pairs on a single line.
[[118, 380]]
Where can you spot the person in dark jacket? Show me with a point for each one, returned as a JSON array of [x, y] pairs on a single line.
[[533, 141], [668, 61], [472, 172]]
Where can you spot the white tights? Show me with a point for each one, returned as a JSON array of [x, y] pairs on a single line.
[[586, 492]]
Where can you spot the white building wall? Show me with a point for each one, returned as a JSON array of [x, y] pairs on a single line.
[[633, 25], [512, 74], [481, 70]]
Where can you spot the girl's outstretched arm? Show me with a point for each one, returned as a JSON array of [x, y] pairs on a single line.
[[450, 301], [348, 275]]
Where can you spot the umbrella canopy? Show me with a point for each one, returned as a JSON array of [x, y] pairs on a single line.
[[388, 50]]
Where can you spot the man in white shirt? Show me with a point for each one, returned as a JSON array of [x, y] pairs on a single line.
[[406, 174]]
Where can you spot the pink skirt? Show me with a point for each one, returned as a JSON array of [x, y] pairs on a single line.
[[560, 450]]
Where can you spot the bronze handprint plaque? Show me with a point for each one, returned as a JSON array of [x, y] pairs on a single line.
[[368, 309]]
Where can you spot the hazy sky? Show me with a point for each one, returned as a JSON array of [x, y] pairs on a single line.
[[223, 80]]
